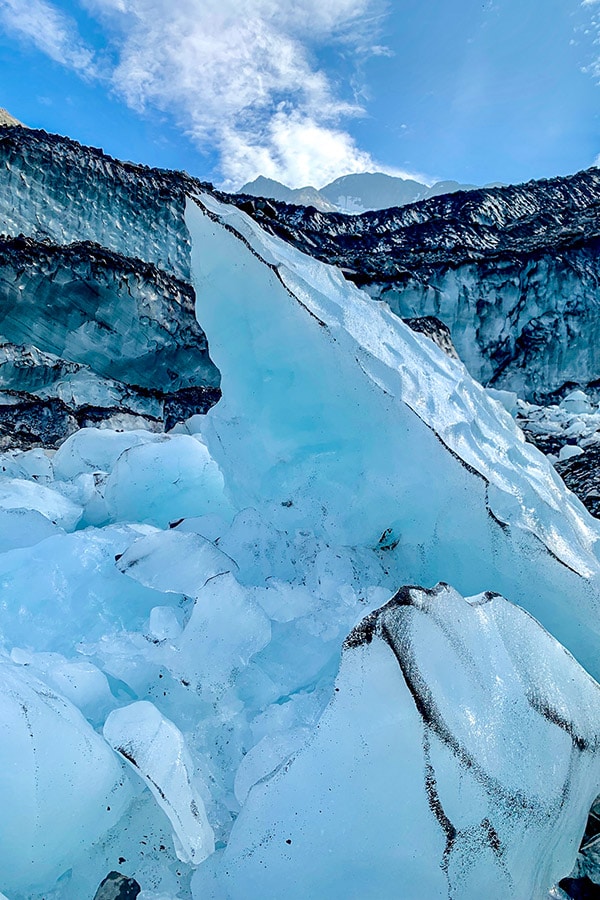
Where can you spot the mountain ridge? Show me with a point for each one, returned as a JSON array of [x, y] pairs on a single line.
[[356, 193]]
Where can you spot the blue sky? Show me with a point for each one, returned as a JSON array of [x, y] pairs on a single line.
[[305, 91]]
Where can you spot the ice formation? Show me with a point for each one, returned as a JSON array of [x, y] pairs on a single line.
[[191, 594], [156, 750], [459, 733]]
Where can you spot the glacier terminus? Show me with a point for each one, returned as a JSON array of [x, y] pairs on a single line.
[[295, 599]]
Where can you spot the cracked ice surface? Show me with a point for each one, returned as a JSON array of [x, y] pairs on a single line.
[[193, 592]]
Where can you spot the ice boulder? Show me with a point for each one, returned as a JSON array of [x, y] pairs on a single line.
[[174, 562], [24, 528], [226, 628], [156, 750], [164, 481], [570, 451], [95, 450], [577, 402], [458, 758], [66, 589], [61, 787]]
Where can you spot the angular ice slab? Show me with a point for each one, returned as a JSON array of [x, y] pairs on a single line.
[[337, 418], [61, 787], [156, 750], [173, 562], [17, 493], [458, 758]]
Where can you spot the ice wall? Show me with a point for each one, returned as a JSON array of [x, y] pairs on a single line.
[[94, 272], [525, 323], [512, 270], [54, 189]]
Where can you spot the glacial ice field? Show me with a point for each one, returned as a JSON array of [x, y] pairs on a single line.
[[337, 638]]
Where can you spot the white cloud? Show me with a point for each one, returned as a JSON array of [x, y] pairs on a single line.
[[294, 148], [240, 75], [52, 32]]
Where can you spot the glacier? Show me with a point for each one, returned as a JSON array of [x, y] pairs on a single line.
[[211, 627]]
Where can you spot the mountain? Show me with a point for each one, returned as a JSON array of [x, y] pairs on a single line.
[[307, 196], [354, 193], [286, 595], [7, 119]]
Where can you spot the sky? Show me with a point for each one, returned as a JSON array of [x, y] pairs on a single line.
[[304, 91]]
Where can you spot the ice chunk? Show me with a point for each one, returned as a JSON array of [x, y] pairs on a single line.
[[67, 588], [78, 680], [508, 399], [95, 450], [17, 493], [24, 528], [174, 562], [61, 788], [577, 402], [164, 624], [458, 757], [225, 629], [29, 464], [156, 749], [568, 451], [164, 481]]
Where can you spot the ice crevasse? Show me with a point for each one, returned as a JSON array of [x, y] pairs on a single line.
[[216, 604]]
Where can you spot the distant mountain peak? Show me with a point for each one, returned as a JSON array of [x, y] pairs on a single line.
[[356, 193]]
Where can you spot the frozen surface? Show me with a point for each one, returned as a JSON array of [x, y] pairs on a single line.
[[457, 758], [350, 421]]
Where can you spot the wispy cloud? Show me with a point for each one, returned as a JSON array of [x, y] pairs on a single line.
[[51, 31], [240, 75]]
